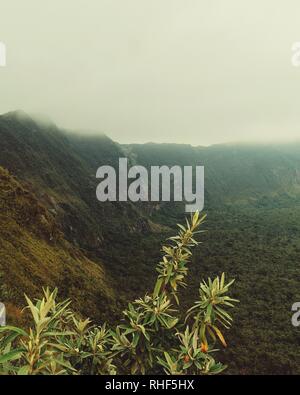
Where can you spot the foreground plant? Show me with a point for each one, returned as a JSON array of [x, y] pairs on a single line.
[[153, 336], [57, 342]]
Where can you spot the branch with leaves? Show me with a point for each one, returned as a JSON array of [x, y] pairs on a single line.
[[150, 339]]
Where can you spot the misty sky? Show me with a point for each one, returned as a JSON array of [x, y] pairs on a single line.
[[184, 71]]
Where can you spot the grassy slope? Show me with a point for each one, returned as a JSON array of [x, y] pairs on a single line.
[[60, 170], [252, 199], [33, 252]]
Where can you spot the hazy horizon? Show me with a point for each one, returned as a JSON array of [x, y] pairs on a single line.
[[192, 72], [44, 120]]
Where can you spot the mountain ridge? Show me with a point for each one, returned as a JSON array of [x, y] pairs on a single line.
[[103, 254]]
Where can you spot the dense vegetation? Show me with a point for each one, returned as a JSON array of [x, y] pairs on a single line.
[[150, 339], [34, 252], [253, 229]]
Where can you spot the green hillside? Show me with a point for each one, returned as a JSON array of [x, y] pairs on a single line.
[[54, 231], [34, 253]]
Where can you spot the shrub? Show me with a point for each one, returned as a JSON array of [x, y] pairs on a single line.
[[153, 336]]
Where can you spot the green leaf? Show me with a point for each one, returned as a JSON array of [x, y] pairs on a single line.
[[13, 329], [8, 339], [33, 309], [23, 371], [169, 360], [158, 285], [12, 355], [220, 336]]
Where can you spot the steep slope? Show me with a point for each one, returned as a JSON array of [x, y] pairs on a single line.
[[60, 168], [34, 253], [54, 231]]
